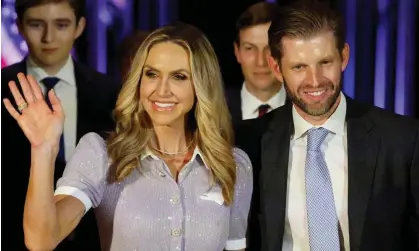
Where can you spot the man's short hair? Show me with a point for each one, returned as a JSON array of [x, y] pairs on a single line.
[[305, 19], [21, 6], [259, 13]]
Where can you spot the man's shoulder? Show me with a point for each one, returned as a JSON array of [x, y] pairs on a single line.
[[258, 126], [390, 120], [387, 121], [232, 93], [95, 81], [91, 73], [233, 89], [10, 72]]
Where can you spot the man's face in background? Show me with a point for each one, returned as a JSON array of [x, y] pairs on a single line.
[[252, 52], [50, 31]]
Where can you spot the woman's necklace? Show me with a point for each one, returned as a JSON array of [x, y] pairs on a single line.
[[176, 153]]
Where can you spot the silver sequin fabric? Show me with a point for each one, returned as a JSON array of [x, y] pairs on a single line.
[[150, 211]]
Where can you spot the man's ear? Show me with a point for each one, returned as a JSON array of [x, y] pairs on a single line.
[[275, 68], [81, 24], [237, 51], [345, 56]]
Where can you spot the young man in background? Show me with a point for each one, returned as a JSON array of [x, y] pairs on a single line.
[[50, 29]]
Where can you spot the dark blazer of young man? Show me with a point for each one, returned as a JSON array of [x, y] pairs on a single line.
[[96, 97]]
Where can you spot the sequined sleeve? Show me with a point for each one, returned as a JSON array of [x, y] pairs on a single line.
[[241, 202], [84, 176]]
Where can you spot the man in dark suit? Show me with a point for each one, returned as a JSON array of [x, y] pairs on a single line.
[[88, 97], [334, 174], [261, 92]]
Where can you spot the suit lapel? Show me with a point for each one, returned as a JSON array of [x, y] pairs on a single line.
[[363, 143], [235, 104], [82, 83], [21, 67], [274, 173], [11, 75], [239, 108]]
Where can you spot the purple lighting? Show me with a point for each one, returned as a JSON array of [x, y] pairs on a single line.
[[97, 35], [404, 90], [166, 11], [383, 57], [349, 74], [163, 9]]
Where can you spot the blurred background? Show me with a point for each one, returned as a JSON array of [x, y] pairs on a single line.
[[382, 34]]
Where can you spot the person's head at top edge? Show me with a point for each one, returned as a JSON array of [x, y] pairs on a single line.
[[309, 54], [50, 28], [251, 47]]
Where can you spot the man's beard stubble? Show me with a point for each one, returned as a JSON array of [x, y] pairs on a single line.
[[310, 109]]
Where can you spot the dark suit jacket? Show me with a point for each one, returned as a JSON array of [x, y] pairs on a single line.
[[383, 177], [234, 103], [96, 97]]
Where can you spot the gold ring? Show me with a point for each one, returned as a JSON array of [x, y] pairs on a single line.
[[22, 106]]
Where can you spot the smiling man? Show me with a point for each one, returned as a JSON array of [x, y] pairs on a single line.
[[50, 28], [335, 174], [261, 92]]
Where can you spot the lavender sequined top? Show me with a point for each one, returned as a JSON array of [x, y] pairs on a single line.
[[149, 211]]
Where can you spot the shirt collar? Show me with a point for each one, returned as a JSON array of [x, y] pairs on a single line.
[[65, 74], [251, 104], [335, 123], [196, 153]]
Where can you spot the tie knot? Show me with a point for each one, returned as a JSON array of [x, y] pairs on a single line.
[[50, 82], [263, 109], [315, 137]]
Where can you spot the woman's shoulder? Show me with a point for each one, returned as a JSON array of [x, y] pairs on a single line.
[[90, 157], [242, 160], [92, 138], [244, 175], [92, 142]]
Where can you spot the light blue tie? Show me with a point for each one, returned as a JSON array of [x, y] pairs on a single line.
[[321, 211]]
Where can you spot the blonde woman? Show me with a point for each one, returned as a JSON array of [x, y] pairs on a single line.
[[167, 177]]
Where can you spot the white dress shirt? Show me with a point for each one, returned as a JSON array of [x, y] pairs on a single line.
[[66, 90], [250, 104], [334, 148]]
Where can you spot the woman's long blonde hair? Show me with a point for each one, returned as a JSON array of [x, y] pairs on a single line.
[[211, 129]]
